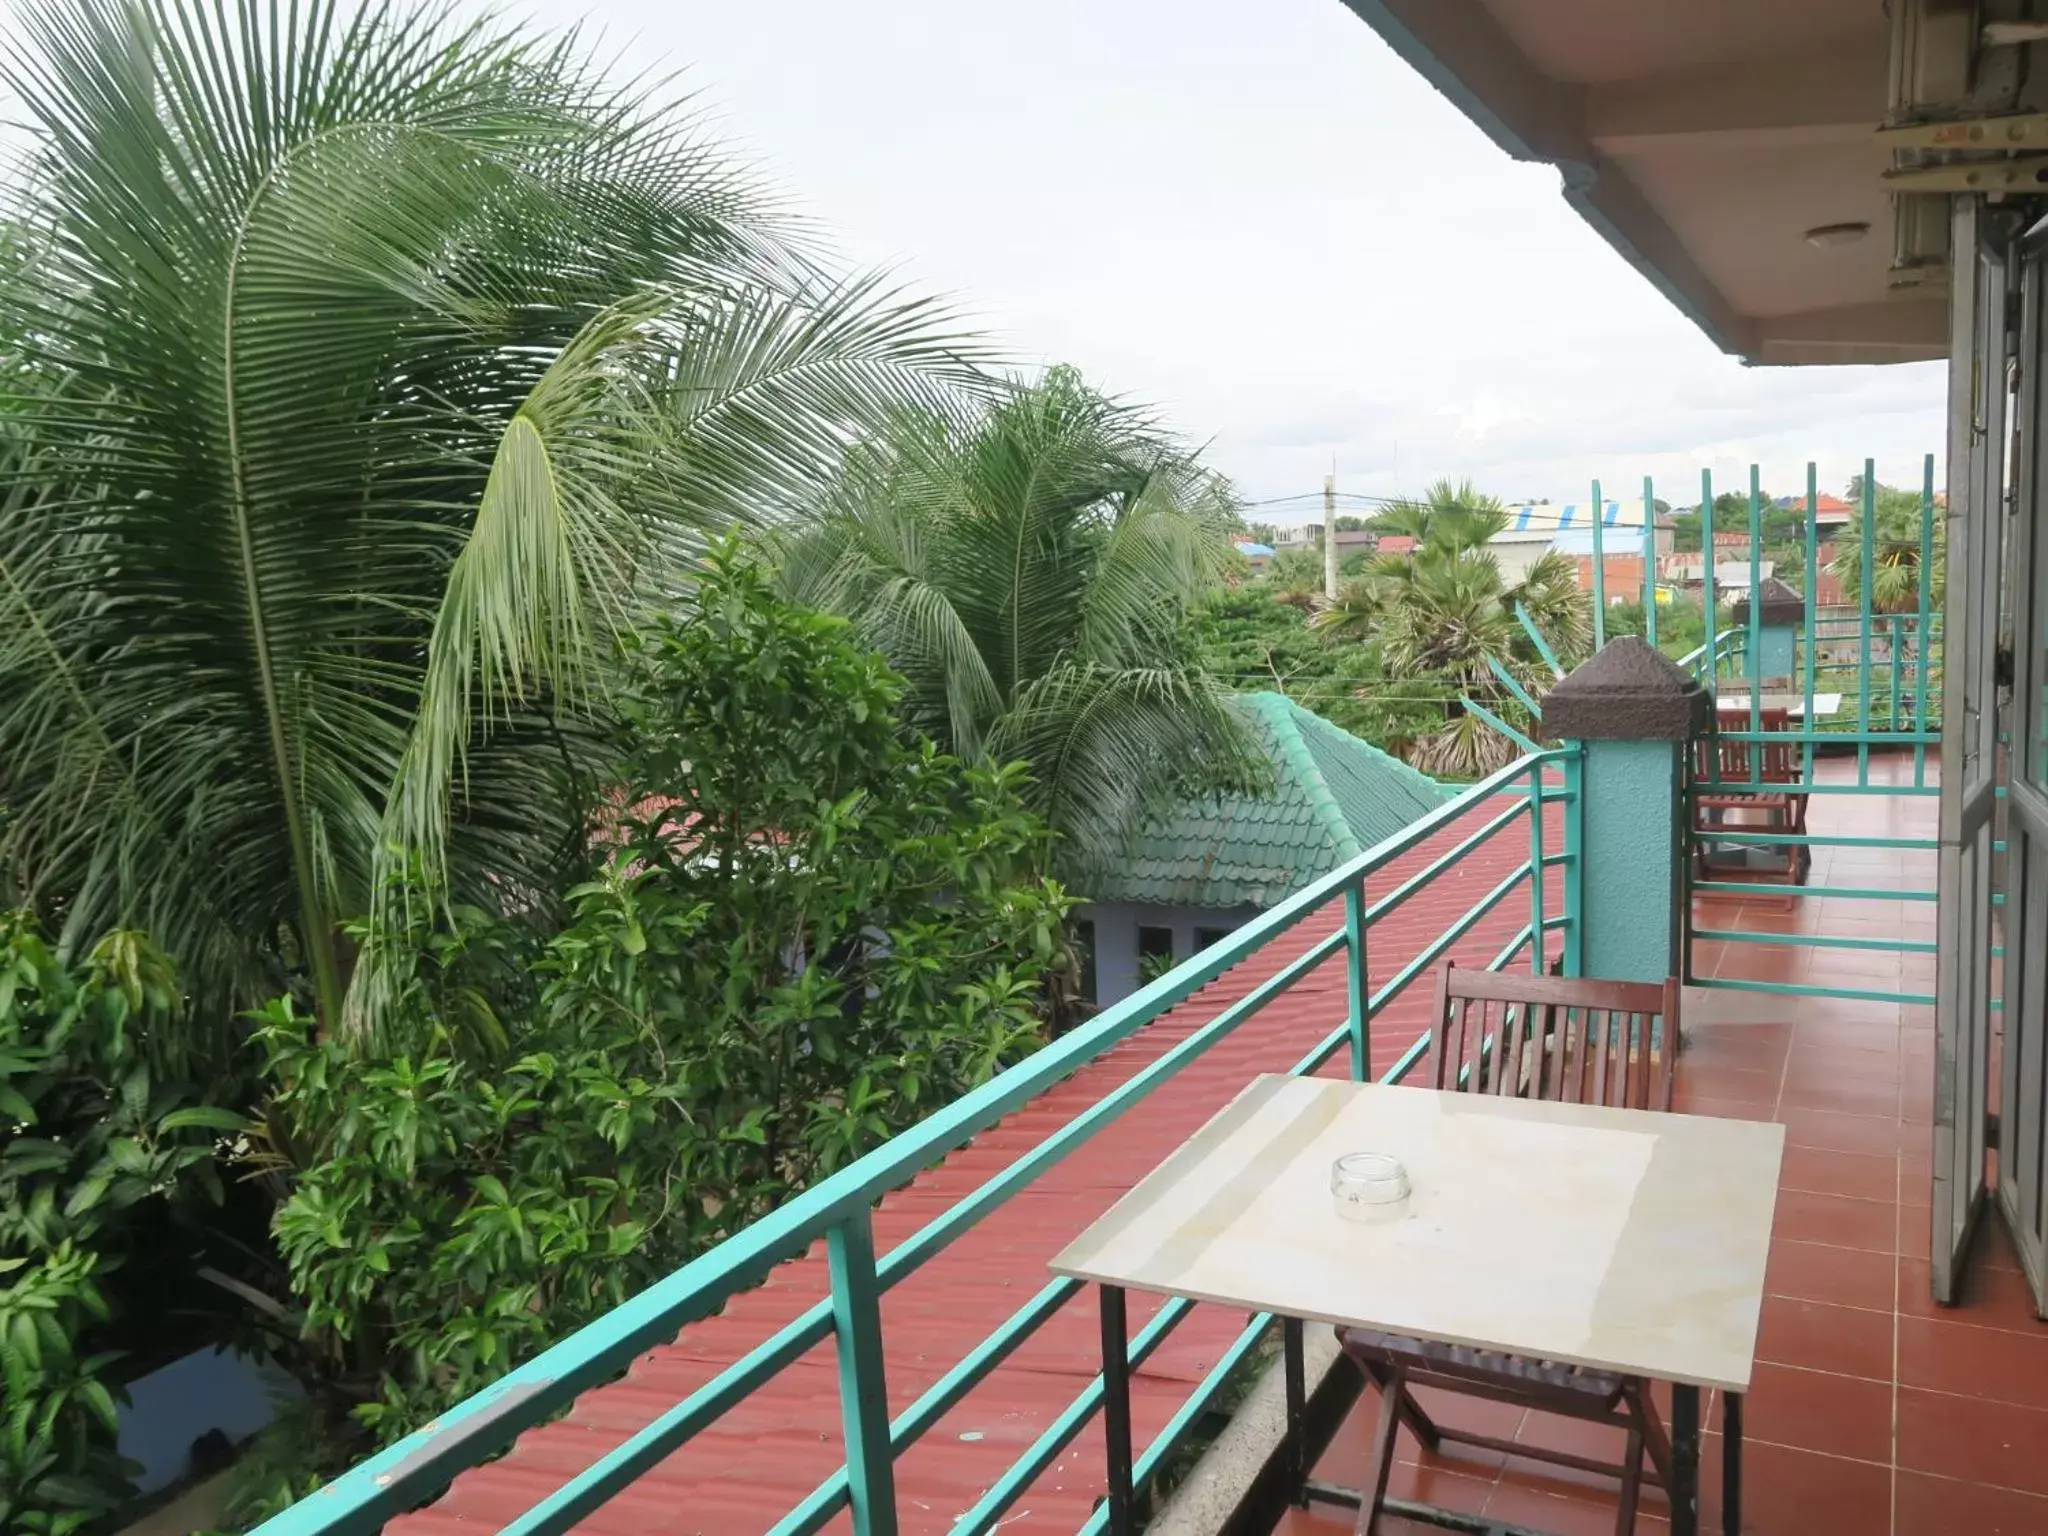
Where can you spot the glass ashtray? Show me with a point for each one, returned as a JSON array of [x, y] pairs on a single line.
[[1369, 1186]]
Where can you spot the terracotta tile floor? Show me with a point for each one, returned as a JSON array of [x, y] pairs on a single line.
[[1872, 1409]]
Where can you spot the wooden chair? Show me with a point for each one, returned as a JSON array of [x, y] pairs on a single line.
[[1579, 1041], [1719, 759]]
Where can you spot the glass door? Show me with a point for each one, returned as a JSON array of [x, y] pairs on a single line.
[[2023, 921], [1979, 357]]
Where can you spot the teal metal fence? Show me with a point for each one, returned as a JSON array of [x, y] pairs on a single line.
[[1863, 689], [839, 1210]]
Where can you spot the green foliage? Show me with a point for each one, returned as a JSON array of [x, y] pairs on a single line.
[[1248, 639], [403, 360], [809, 933], [1443, 615], [1680, 628], [1784, 528], [1295, 577], [1897, 523], [1031, 570], [97, 1131]]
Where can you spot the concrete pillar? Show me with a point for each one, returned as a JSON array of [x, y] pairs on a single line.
[[1782, 612], [1634, 712]]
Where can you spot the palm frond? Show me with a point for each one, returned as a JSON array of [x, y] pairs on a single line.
[[372, 366], [1030, 567]]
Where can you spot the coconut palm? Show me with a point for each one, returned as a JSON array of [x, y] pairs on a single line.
[[375, 369], [1443, 612], [1031, 568]]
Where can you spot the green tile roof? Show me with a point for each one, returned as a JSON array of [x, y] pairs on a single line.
[[1334, 796]]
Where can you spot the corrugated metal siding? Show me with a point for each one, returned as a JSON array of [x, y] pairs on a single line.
[[762, 1458]]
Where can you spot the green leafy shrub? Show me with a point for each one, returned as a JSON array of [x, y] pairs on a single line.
[[100, 1139], [805, 933]]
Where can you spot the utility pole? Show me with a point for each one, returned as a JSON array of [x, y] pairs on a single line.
[[1330, 537]]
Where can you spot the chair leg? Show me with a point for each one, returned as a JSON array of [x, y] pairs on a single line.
[[1393, 1391], [1421, 1423], [1644, 1413], [1631, 1483]]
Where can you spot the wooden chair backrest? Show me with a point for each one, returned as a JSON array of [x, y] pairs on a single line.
[[1578, 1040], [1718, 757]]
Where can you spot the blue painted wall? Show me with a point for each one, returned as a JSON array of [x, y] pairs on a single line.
[[1116, 937], [1632, 850], [1777, 644]]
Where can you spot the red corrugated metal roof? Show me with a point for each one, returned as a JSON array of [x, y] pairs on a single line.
[[763, 1457]]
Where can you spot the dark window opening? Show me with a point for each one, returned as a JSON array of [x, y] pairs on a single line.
[[1155, 952], [1204, 937], [1084, 944]]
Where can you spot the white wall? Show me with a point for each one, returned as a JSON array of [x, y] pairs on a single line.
[[1116, 937]]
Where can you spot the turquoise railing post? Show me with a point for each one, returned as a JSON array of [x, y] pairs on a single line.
[[1754, 663], [1923, 643], [1649, 561], [1537, 951], [863, 1382], [1574, 860], [1633, 713], [1599, 570], [1708, 607], [1869, 575], [1356, 991], [1812, 607], [1891, 722]]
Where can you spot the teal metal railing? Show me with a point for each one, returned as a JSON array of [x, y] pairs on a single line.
[[839, 1210], [1885, 666]]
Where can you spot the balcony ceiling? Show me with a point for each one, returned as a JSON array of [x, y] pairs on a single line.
[[1702, 142]]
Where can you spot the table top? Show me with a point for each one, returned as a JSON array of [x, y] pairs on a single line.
[[1823, 703], [1618, 1239]]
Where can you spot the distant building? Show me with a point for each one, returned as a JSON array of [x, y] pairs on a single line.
[[1541, 528], [1260, 555], [1213, 864], [1310, 536], [1731, 577], [1621, 551]]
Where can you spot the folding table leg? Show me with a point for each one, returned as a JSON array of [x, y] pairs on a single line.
[[1295, 1368], [1116, 1409], [1731, 1463], [1685, 1460]]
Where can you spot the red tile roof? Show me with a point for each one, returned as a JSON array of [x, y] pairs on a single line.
[[769, 1452]]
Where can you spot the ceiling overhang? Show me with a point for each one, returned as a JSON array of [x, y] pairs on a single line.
[[1704, 172]]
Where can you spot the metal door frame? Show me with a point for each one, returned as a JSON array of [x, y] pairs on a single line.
[[2022, 1184], [1979, 354]]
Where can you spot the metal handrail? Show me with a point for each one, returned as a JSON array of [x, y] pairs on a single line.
[[838, 1208]]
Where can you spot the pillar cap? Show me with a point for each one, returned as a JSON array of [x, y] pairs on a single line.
[[1780, 604], [1628, 692]]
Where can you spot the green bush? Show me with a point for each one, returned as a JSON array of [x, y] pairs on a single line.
[[100, 1138], [805, 934]]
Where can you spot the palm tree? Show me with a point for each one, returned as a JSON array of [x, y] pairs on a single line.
[[1031, 568], [1442, 612], [1895, 554], [373, 371], [1450, 516]]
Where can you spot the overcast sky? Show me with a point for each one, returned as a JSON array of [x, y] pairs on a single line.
[[1258, 218], [1252, 215]]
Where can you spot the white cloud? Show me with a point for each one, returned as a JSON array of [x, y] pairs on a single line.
[[1258, 218]]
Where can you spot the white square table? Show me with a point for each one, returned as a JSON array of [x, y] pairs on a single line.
[[1794, 703], [1621, 1240]]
